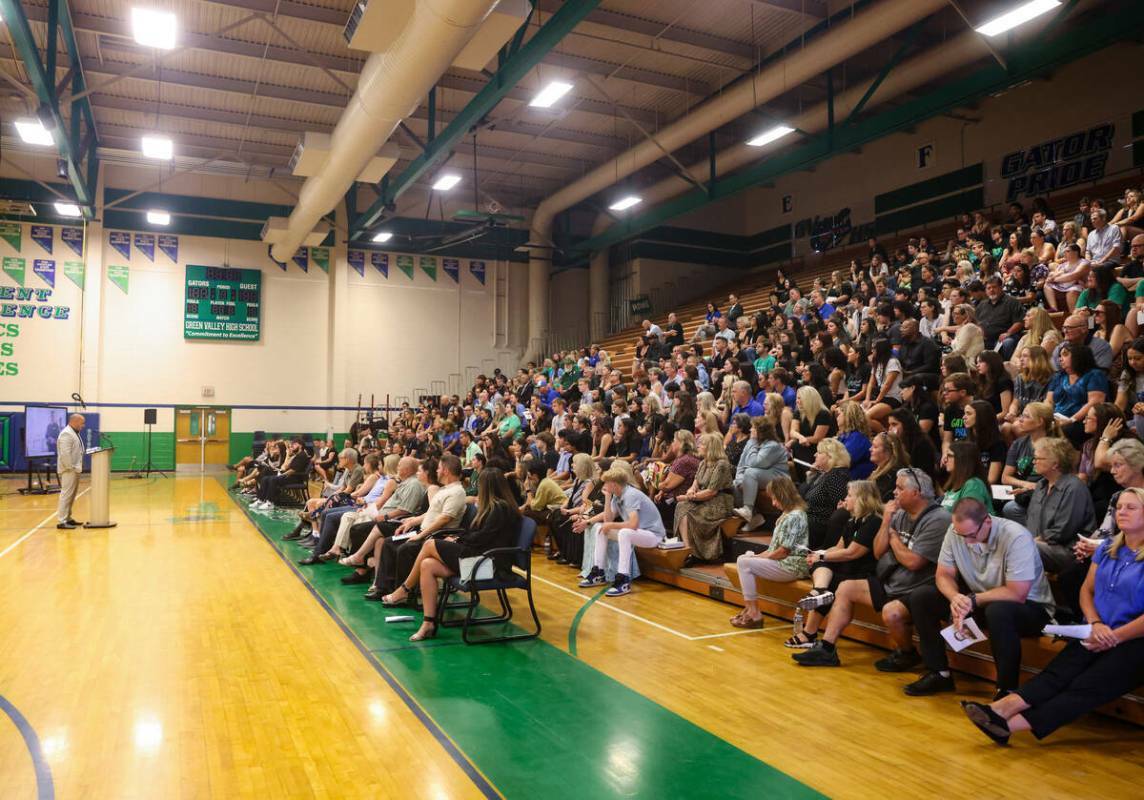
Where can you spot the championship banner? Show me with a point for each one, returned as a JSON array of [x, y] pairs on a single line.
[[169, 244], [477, 269], [405, 264], [42, 235], [121, 241], [357, 261], [119, 275], [380, 262], [429, 267], [46, 269], [321, 257], [145, 244], [14, 268], [73, 238], [75, 271], [452, 268], [11, 232], [302, 259]]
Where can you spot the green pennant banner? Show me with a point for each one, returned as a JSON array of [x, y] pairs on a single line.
[[119, 276], [429, 267], [405, 264], [14, 267], [11, 232], [75, 271], [321, 257]]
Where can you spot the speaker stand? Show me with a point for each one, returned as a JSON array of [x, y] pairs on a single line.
[[148, 468]]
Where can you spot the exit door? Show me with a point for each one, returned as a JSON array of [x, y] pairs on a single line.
[[202, 437]]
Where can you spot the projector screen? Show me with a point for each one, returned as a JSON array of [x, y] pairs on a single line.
[[42, 425]]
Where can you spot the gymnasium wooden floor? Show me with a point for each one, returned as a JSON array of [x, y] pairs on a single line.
[[182, 654]]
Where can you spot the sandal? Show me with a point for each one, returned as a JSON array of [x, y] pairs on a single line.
[[347, 561], [801, 641], [389, 599], [747, 622], [429, 634]]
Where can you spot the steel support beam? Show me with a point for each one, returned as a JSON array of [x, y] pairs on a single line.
[[895, 59], [43, 82], [506, 78], [1024, 63]]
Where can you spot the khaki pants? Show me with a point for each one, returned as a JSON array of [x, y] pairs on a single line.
[[69, 482]]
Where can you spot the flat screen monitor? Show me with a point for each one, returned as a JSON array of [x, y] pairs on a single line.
[[42, 426]]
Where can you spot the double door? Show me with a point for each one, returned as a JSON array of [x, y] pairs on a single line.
[[202, 437]]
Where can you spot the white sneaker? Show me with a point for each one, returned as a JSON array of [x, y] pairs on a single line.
[[756, 522], [743, 512]]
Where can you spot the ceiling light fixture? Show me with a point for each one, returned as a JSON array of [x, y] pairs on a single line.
[[157, 216], [159, 147], [153, 28], [32, 131], [772, 135], [624, 203], [446, 182], [547, 97], [68, 210], [1018, 16], [383, 237]]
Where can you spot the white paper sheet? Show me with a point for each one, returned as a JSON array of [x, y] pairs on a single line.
[[970, 634]]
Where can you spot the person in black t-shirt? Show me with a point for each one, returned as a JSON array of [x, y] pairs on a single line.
[[981, 423], [296, 468], [957, 393], [917, 397]]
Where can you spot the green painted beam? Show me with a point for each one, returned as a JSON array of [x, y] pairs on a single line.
[[44, 85], [511, 71], [1025, 63]]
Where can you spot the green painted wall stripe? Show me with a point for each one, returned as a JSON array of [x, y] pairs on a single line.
[[514, 727], [575, 626], [927, 189], [945, 208]]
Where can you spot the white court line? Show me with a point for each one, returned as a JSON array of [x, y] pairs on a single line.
[[716, 648], [646, 621], [48, 519]]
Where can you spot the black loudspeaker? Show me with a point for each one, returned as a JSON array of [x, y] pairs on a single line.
[[150, 416]]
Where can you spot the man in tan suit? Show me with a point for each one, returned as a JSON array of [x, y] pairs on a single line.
[[69, 465]]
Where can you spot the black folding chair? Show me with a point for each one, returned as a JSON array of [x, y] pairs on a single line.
[[522, 560]]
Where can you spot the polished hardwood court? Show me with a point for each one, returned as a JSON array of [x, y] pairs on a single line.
[[179, 655]]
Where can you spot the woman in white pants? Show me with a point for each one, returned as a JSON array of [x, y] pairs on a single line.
[[785, 559], [633, 518]]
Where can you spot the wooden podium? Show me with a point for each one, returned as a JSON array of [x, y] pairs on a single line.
[[100, 488]]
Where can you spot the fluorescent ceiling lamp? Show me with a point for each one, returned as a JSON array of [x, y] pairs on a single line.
[[67, 209], [547, 97], [624, 203], [772, 135], [1018, 16], [158, 217], [153, 28], [158, 147], [446, 182], [384, 236], [33, 131]]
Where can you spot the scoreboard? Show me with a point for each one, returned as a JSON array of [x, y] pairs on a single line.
[[222, 303]]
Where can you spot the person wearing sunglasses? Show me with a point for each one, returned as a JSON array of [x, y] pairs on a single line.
[[1008, 595]]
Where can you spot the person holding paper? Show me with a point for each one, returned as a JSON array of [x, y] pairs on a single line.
[[1098, 669], [998, 561]]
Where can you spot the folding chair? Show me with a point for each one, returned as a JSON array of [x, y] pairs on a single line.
[[522, 560]]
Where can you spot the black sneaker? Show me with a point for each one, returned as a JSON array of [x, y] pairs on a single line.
[[898, 661], [987, 721], [297, 533], [818, 656], [595, 577], [931, 683]]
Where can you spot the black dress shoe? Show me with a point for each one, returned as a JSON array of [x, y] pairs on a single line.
[[296, 533], [66, 526], [931, 683], [357, 577], [310, 560]]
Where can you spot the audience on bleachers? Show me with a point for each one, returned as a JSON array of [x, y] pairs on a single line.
[[984, 366]]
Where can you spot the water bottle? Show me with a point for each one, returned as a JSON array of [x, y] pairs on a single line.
[[797, 620]]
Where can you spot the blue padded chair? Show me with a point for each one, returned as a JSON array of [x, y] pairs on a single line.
[[522, 560]]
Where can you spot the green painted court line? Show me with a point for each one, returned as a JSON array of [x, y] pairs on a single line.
[[575, 626], [536, 721]]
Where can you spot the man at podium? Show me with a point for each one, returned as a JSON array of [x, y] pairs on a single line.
[[69, 464]]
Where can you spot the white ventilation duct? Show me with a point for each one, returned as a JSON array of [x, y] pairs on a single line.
[[422, 39], [907, 76], [866, 29]]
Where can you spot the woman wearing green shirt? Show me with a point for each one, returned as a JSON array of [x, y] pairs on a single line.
[[967, 476], [1102, 285]]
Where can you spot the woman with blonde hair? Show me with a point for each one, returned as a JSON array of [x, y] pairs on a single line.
[[814, 424], [784, 559], [585, 490], [1098, 669], [854, 434], [678, 478], [1034, 370], [705, 401], [825, 488], [970, 340], [852, 558], [706, 422], [888, 455], [700, 511], [1035, 422], [773, 407]]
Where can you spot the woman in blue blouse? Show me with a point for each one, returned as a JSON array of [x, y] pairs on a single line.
[[1076, 388], [854, 433], [1097, 670]]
